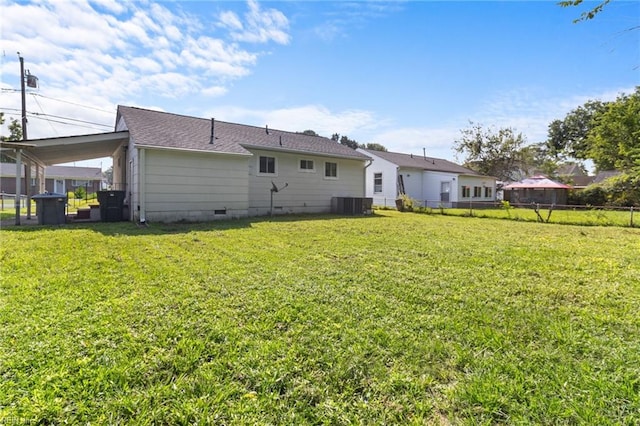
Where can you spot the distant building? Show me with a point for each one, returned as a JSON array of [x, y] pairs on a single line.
[[58, 179]]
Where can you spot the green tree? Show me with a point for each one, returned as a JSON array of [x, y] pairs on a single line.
[[590, 14], [374, 147], [491, 152], [614, 140], [568, 137], [15, 134], [310, 133]]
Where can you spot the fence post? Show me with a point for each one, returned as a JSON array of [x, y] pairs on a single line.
[[631, 221]]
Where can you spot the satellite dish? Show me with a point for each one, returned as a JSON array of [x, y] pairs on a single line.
[[274, 188]]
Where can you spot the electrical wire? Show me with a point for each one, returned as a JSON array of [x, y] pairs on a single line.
[[37, 115], [71, 103], [50, 124]]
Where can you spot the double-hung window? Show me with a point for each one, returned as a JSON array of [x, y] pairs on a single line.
[[307, 166], [267, 165], [488, 192], [466, 192], [477, 191], [377, 183], [330, 170]]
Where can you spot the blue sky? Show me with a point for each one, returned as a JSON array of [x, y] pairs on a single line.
[[409, 75]]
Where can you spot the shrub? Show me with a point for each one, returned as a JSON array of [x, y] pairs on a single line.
[[80, 192]]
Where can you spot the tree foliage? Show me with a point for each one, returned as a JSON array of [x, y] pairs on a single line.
[[310, 133], [489, 151], [585, 16], [614, 140], [375, 147], [568, 137], [608, 133], [15, 134]]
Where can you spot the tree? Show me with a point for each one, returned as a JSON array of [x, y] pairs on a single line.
[[310, 133], [585, 16], [491, 152], [568, 137], [374, 147], [15, 134], [614, 140]]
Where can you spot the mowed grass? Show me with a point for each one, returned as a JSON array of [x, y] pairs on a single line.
[[390, 319]]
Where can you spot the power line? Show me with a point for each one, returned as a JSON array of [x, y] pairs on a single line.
[[50, 124], [72, 103], [69, 124], [58, 100], [38, 114]]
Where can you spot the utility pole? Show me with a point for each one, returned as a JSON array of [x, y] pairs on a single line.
[[24, 99]]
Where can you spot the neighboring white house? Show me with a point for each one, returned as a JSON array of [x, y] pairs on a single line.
[[176, 167], [432, 182]]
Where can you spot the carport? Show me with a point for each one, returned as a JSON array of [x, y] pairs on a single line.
[[39, 153]]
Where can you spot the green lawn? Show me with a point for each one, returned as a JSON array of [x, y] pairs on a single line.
[[395, 318]]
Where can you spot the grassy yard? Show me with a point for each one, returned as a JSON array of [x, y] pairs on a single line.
[[394, 318]]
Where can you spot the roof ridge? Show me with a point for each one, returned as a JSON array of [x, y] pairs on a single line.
[[227, 122]]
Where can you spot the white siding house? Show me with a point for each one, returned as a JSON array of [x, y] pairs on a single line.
[[177, 167], [431, 182]]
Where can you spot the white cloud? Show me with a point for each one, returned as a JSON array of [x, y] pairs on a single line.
[[260, 26]]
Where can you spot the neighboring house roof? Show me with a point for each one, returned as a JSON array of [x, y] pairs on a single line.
[[570, 169], [167, 130], [581, 181], [422, 162], [537, 182], [605, 174], [61, 172]]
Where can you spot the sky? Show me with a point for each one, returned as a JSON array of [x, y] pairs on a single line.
[[409, 75]]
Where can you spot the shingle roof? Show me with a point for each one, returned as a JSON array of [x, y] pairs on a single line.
[[537, 182], [66, 172], [422, 162], [167, 130]]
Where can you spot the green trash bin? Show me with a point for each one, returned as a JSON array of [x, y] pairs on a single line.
[[51, 208]]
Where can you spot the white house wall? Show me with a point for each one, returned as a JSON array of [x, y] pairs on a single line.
[[413, 183], [387, 197], [432, 184], [307, 191], [475, 181], [191, 186]]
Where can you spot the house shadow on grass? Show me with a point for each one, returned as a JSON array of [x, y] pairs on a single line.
[[163, 228]]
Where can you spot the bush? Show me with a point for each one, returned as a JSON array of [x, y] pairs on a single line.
[[80, 192]]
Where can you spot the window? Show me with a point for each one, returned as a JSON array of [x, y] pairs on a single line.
[[477, 191], [488, 192], [267, 165], [80, 183], [307, 166], [466, 192], [377, 183], [331, 170]]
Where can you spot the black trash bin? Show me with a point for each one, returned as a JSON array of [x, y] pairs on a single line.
[[51, 208], [111, 205]]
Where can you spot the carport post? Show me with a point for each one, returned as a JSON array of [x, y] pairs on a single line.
[[18, 183]]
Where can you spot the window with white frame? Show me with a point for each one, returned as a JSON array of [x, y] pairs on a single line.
[[331, 170], [267, 165], [80, 183], [488, 192], [377, 183], [466, 192], [307, 166], [477, 191]]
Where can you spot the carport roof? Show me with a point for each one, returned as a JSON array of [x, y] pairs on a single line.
[[50, 151]]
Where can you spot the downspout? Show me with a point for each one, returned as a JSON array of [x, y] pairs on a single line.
[[364, 192], [142, 185]]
